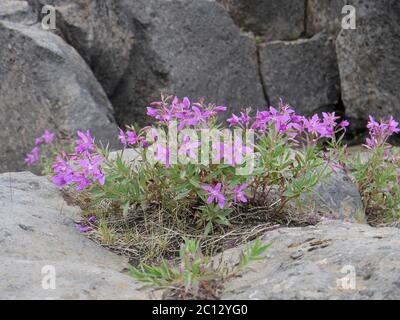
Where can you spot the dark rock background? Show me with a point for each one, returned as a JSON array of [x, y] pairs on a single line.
[[109, 58]]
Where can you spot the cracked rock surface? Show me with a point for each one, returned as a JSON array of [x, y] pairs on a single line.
[[369, 61], [333, 260], [276, 20], [303, 73], [37, 230]]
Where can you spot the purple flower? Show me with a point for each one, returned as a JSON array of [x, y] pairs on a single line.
[[239, 195], [189, 148], [379, 132], [234, 120], [313, 124], [33, 156], [186, 103], [85, 142], [215, 195], [63, 172], [122, 137], [47, 137], [83, 228], [262, 119], [81, 181], [392, 126], [91, 170], [329, 119], [92, 219], [152, 112], [131, 138], [344, 124], [220, 109], [145, 143], [244, 118]]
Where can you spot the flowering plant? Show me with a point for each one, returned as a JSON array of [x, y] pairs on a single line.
[[204, 179], [188, 175], [377, 174]]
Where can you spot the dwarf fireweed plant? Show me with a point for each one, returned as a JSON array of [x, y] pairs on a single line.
[[377, 174], [195, 172], [190, 175]]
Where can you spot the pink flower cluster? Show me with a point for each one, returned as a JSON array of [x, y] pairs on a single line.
[[379, 132], [34, 156], [231, 153], [184, 112], [285, 120], [322, 128], [82, 168], [216, 195]]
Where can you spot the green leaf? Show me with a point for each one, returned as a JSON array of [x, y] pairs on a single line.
[[208, 229]]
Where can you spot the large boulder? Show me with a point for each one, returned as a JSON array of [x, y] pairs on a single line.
[[335, 197], [304, 73], [37, 233], [45, 84], [101, 34], [18, 11], [332, 260], [188, 48], [369, 61], [277, 20]]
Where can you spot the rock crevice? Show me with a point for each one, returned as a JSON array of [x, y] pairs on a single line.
[[333, 260]]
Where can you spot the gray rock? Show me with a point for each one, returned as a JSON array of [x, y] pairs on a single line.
[[18, 11], [319, 263], [277, 20], [37, 230], [324, 15], [45, 84], [187, 48], [369, 61], [101, 34], [335, 197], [304, 73]]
